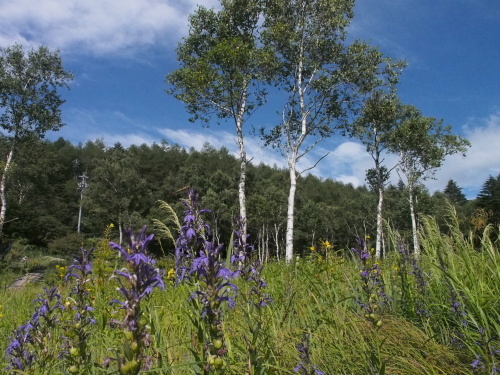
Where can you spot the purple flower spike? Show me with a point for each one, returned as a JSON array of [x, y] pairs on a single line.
[[249, 267], [372, 290], [27, 347], [305, 366], [137, 282], [198, 262], [77, 331], [192, 237]]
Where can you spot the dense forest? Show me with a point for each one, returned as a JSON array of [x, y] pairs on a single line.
[[123, 186]]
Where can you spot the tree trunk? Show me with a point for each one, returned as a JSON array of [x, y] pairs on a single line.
[[241, 184], [290, 213], [276, 240], [266, 255], [120, 229], [3, 181], [414, 227], [380, 233], [243, 160]]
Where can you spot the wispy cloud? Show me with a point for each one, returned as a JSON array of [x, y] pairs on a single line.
[[111, 126], [221, 138], [96, 26]]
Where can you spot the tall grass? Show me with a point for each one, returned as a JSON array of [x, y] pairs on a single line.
[[442, 317]]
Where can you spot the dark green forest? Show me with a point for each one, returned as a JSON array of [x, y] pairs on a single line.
[[124, 186]]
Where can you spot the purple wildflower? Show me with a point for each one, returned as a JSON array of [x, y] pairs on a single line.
[[20, 352], [305, 366], [192, 236], [28, 345], [372, 287], [408, 265], [136, 282], [199, 263], [249, 267], [80, 304], [489, 357]]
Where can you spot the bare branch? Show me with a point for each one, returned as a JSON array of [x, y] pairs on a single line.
[[315, 164]]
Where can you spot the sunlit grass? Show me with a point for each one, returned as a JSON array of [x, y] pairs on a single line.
[[318, 297]]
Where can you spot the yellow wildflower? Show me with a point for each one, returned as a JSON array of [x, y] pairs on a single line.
[[326, 244], [171, 274]]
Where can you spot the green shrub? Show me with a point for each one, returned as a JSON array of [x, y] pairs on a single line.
[[68, 244]]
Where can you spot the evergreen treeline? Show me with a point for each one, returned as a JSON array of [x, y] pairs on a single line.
[[125, 185]]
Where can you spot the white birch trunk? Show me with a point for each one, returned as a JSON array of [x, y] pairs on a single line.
[[276, 240], [3, 181], [378, 245], [292, 160], [243, 158], [120, 229], [414, 227], [290, 212], [266, 255], [241, 184]]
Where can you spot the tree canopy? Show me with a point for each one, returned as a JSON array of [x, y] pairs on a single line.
[[29, 97]]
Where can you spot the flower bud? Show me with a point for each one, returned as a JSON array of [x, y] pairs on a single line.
[[129, 334], [211, 360], [218, 344], [134, 346], [218, 362]]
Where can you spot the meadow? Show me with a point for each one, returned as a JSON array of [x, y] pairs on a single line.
[[333, 312]]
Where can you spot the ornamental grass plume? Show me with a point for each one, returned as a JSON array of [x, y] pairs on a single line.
[[137, 281]]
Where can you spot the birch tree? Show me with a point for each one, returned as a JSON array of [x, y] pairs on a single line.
[[322, 77], [29, 101], [374, 128], [422, 144], [221, 67]]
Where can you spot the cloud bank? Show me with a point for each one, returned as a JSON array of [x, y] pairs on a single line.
[[96, 26]]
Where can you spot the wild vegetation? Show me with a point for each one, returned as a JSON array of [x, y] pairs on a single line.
[[245, 268], [329, 312]]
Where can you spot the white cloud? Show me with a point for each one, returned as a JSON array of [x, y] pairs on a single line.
[[347, 163], [221, 138], [99, 26], [349, 152], [482, 158]]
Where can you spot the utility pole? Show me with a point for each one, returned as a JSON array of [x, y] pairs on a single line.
[[82, 186]]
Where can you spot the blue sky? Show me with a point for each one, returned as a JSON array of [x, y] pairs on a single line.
[[121, 50]]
